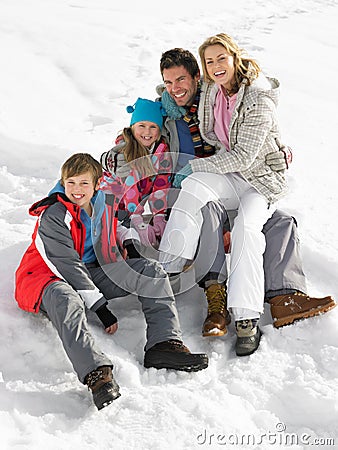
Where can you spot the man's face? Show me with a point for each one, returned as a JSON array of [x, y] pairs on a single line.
[[180, 85]]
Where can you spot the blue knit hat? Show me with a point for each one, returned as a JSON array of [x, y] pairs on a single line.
[[146, 110]]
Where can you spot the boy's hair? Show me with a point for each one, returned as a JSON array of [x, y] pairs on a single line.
[[179, 57], [80, 163]]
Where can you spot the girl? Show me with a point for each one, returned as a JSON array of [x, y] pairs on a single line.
[[139, 170]]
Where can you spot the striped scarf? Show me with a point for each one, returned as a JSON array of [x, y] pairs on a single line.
[[202, 148]]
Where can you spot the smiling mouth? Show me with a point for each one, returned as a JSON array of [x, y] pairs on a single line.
[[179, 95], [219, 74], [78, 196]]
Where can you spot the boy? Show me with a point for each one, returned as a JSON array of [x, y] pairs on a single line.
[[74, 263]]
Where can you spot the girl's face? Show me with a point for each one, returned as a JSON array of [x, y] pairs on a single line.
[[80, 189], [146, 133], [220, 65]]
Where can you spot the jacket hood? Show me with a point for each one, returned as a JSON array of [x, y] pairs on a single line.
[[38, 207], [98, 202], [266, 85], [160, 88]]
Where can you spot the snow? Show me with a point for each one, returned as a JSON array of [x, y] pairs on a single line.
[[69, 69]]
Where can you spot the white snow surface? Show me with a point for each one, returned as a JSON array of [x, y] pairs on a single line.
[[69, 68]]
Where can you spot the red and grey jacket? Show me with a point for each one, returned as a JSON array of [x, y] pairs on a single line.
[[57, 248]]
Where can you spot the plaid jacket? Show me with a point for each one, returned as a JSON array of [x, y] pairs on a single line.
[[253, 133]]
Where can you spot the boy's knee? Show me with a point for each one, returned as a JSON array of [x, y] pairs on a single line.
[[60, 296]]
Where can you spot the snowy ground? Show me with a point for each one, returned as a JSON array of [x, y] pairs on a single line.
[[69, 68]]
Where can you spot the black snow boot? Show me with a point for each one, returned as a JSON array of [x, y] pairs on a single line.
[[248, 337], [174, 355], [103, 386]]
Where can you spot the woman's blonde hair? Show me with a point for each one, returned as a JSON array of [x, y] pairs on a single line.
[[137, 154], [246, 69]]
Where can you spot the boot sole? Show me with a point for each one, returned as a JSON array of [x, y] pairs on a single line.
[[107, 402], [287, 320], [174, 365], [247, 353], [106, 395]]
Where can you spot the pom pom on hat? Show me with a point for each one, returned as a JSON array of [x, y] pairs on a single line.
[[146, 111]]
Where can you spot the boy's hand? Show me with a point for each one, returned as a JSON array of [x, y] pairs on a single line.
[[112, 329], [107, 318]]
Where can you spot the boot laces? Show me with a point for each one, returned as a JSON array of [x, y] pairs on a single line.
[[95, 376], [216, 299]]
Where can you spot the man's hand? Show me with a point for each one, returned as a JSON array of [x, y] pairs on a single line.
[[281, 160]]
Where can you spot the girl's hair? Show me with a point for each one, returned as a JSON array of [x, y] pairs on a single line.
[[136, 153], [246, 69], [80, 163]]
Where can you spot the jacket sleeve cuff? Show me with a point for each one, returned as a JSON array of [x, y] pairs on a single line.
[[90, 297]]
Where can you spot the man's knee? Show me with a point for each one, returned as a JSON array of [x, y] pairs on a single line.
[[282, 220], [152, 269]]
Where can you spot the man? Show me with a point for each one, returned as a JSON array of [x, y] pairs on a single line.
[[285, 284]]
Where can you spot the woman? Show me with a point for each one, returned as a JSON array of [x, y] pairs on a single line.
[[237, 113]]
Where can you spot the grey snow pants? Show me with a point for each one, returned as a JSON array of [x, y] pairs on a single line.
[[66, 310], [282, 261]]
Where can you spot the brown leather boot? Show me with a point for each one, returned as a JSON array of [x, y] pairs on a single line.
[[285, 309], [218, 316], [103, 386]]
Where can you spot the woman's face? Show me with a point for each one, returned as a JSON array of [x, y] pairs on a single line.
[[146, 133], [220, 65]]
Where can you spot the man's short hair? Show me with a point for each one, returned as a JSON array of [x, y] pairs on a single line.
[[179, 57], [80, 163]]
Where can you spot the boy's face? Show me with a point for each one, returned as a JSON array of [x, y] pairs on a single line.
[[80, 189]]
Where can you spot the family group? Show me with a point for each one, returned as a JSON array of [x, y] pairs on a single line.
[[194, 181]]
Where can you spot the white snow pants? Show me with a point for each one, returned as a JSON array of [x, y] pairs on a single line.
[[180, 239]]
